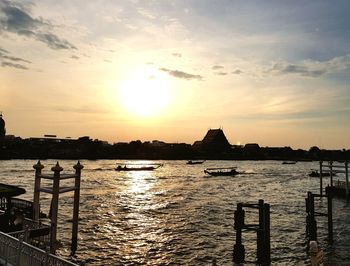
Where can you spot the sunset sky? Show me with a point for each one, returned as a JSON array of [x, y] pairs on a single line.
[[276, 73]]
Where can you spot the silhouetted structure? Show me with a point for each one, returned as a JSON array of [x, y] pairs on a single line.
[[214, 141], [213, 146], [2, 127]]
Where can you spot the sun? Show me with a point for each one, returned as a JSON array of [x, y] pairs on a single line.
[[145, 94]]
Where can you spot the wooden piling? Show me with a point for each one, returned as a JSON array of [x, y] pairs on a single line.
[[312, 220], [331, 172], [267, 257], [238, 249], [347, 180], [260, 233], [321, 188], [329, 214], [74, 243]]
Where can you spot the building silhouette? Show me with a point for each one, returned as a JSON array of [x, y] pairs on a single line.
[[214, 141]]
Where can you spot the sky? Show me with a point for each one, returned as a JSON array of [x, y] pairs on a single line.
[[274, 73]]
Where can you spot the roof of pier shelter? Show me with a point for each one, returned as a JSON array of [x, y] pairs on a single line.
[[10, 191]]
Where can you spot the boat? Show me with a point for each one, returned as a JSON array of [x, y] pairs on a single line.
[[317, 174], [195, 162], [289, 162], [137, 167], [221, 171]]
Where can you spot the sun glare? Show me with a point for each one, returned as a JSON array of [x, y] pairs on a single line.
[[145, 94]]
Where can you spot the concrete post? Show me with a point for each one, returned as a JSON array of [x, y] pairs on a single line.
[[74, 243], [55, 195], [36, 201]]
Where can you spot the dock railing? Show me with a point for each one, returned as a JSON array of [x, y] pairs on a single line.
[[16, 252], [335, 168]]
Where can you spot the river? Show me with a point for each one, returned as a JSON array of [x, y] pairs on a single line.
[[177, 215]]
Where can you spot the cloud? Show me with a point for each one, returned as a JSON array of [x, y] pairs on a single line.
[[181, 74], [4, 54], [9, 64], [281, 68], [14, 19], [83, 109], [53, 41], [176, 54], [74, 57], [221, 73], [237, 72], [312, 68], [216, 67], [7, 60]]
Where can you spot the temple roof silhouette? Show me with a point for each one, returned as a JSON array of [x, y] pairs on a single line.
[[215, 139]]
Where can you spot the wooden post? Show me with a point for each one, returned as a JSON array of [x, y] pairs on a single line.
[[312, 221], [38, 167], [307, 205], [267, 258], [308, 215], [74, 243], [347, 180], [331, 172], [329, 214], [54, 212], [260, 234], [321, 188], [238, 249]]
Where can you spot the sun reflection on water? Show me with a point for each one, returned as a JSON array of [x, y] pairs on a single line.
[[139, 181]]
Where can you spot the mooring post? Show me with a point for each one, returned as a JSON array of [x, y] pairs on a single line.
[[347, 180], [321, 188], [74, 243], [54, 211], [238, 249], [36, 201], [307, 207], [308, 215], [331, 172], [329, 214], [312, 221], [260, 233], [267, 245]]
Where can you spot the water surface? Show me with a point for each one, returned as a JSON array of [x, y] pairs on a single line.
[[177, 215]]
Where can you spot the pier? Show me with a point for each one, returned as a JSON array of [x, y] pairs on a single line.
[[24, 238], [340, 171], [262, 229]]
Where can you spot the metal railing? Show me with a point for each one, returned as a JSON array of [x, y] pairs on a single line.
[[35, 233], [16, 252]]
